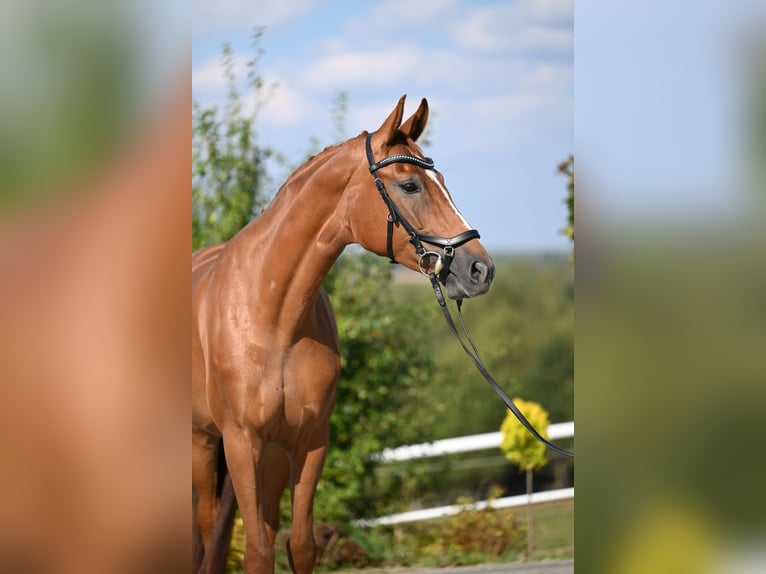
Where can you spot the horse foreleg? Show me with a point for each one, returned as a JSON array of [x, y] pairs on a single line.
[[244, 457], [301, 547], [276, 476]]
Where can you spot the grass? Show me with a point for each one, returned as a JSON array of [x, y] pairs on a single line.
[[467, 538], [453, 540], [554, 530]]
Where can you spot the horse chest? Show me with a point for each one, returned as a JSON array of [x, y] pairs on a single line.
[[293, 387]]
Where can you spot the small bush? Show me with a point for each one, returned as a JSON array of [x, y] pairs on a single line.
[[468, 537], [337, 551]]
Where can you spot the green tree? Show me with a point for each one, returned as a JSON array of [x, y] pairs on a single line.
[[228, 173], [550, 379], [566, 168], [385, 363], [529, 454], [523, 328]]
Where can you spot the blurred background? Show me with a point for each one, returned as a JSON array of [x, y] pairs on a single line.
[[94, 220], [670, 286]]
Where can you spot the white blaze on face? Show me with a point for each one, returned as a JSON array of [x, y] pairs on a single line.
[[432, 176]]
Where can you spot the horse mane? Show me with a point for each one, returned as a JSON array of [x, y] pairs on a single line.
[[298, 177], [316, 158], [311, 163]]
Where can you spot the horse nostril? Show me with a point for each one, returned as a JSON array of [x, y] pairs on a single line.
[[481, 272]]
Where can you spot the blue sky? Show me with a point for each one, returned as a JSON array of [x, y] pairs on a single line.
[[660, 105], [498, 76]]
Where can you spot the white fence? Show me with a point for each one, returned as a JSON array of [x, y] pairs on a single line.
[[466, 444], [441, 511], [463, 444]]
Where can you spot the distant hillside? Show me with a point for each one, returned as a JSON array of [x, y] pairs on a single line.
[[524, 330]]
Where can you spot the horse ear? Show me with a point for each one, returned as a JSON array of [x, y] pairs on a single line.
[[385, 133], [415, 125]]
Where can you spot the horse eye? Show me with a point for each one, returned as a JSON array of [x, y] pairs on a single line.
[[410, 187]]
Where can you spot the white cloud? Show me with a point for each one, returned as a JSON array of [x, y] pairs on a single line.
[[510, 86], [394, 20], [525, 26], [551, 11], [279, 102], [504, 107], [287, 105], [543, 38], [215, 15], [209, 76], [382, 51], [547, 77], [354, 68]]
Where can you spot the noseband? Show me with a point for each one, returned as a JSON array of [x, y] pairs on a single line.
[[395, 217]]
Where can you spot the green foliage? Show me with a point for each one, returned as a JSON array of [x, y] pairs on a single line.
[[334, 550], [518, 444], [237, 549], [566, 168], [524, 330], [470, 537], [385, 359], [228, 175], [550, 378]]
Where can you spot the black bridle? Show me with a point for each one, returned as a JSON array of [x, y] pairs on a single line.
[[441, 270], [395, 217]]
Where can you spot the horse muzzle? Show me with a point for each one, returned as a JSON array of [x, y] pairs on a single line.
[[469, 275]]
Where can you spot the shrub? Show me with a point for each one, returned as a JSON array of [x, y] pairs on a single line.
[[468, 537]]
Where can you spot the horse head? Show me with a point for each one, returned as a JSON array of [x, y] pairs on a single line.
[[402, 209]]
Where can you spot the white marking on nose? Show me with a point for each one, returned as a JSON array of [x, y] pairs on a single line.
[[432, 176]]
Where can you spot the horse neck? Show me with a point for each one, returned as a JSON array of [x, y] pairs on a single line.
[[285, 254]]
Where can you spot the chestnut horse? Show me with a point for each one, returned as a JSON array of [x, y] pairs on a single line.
[[264, 342]]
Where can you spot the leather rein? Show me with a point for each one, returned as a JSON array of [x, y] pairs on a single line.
[[440, 271]]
